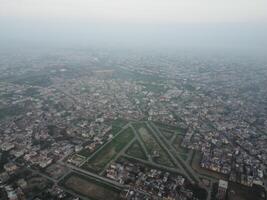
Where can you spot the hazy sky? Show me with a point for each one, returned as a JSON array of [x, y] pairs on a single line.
[[222, 22], [149, 11]]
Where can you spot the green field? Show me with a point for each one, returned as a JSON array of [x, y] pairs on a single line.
[[136, 151], [167, 134], [184, 153], [177, 145], [109, 151], [11, 111], [116, 127], [42, 80], [156, 88], [90, 188], [119, 123], [153, 146]]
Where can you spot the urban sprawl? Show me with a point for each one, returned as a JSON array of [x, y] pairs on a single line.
[[116, 125]]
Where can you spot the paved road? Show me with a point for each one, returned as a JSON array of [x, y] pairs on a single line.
[[174, 170], [96, 176], [142, 144], [42, 174], [118, 155], [184, 168], [188, 172]]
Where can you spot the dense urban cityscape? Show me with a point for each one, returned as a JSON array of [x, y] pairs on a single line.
[[99, 124]]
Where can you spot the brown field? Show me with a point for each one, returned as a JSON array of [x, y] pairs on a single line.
[[240, 192], [90, 189]]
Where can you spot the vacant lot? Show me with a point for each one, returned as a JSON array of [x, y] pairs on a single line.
[[56, 170], [109, 151], [119, 123], [153, 146], [90, 188], [239, 192]]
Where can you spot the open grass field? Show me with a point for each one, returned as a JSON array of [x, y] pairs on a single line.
[[177, 145], [90, 188], [167, 134], [136, 150], [116, 127], [153, 146], [119, 123], [186, 154], [109, 151]]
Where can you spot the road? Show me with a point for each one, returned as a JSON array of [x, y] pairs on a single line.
[[99, 149], [171, 152], [183, 169], [142, 144]]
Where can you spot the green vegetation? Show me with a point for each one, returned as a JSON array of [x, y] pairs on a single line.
[[10, 111], [85, 88], [52, 129], [153, 147], [184, 156], [85, 152], [119, 123], [35, 80], [116, 127], [32, 92], [114, 130], [241, 192], [90, 188], [180, 131], [177, 145], [136, 150], [170, 128], [156, 88], [7, 95], [109, 151], [167, 134], [189, 87]]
